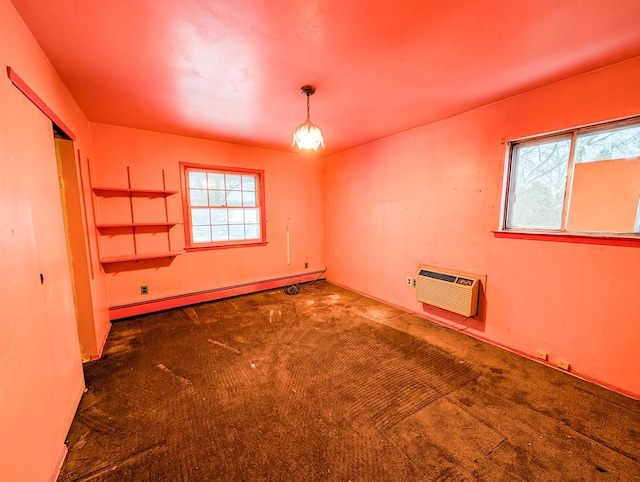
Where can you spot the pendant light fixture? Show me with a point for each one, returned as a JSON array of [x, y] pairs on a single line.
[[308, 135]]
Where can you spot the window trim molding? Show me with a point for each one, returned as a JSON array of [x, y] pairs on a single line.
[[577, 129], [188, 245], [611, 239], [578, 238]]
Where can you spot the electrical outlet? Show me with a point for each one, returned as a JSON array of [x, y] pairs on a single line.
[[144, 290], [565, 365], [413, 282], [542, 355], [306, 265], [409, 281]]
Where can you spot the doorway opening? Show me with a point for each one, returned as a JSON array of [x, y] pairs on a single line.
[[74, 225]]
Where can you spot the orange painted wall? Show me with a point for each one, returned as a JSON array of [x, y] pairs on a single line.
[[433, 195], [294, 199], [41, 378], [20, 51]]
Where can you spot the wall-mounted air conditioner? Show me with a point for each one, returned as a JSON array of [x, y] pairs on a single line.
[[448, 291]]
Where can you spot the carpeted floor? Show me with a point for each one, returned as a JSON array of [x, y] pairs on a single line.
[[328, 385]]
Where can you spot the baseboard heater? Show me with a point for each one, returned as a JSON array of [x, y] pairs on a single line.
[[448, 291], [168, 302]]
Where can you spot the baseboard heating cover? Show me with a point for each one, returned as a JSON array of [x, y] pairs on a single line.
[[159, 304]]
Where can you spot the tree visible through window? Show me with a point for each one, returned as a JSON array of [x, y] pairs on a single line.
[[581, 181], [539, 181], [223, 206]]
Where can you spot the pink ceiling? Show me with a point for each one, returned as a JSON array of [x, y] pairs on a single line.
[[232, 69]]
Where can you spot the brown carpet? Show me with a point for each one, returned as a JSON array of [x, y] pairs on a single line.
[[330, 385]]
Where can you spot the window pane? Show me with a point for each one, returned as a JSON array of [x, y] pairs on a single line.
[[220, 233], [201, 234], [623, 143], [236, 216], [252, 231], [234, 198], [236, 231], [198, 197], [215, 180], [219, 216], [538, 180], [248, 183], [197, 179], [216, 198], [248, 198], [200, 216], [234, 182], [251, 216]]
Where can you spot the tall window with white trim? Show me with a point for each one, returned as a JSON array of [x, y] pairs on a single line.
[[223, 206]]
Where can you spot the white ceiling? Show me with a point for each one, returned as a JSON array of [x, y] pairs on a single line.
[[232, 70]]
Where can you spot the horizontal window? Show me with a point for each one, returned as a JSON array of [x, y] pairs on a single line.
[[584, 181], [223, 206]]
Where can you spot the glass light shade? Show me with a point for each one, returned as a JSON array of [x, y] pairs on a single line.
[[308, 136]]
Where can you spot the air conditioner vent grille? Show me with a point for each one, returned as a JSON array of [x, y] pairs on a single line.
[[448, 291], [436, 275]]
